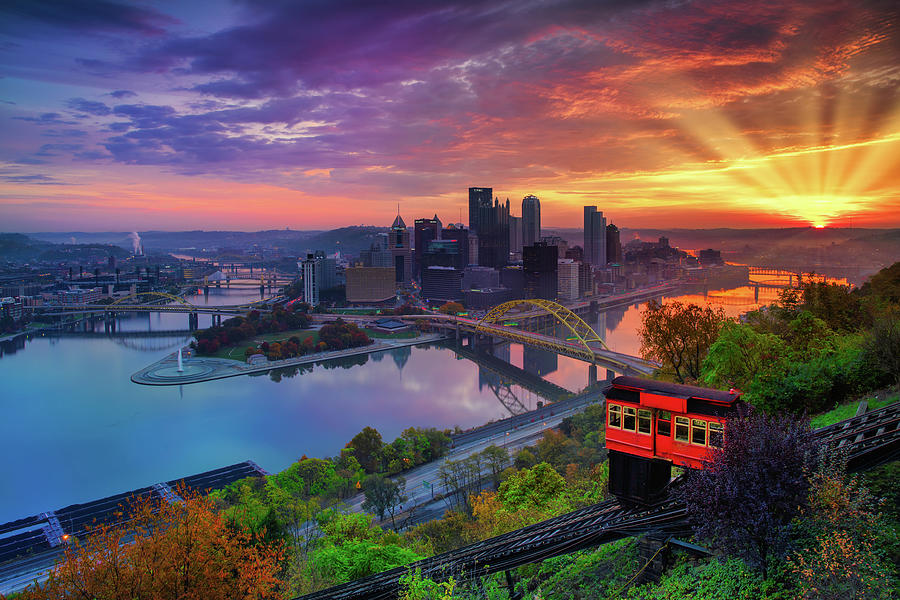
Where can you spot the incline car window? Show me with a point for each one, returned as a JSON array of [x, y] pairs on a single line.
[[628, 417], [716, 434], [681, 429], [644, 421], [615, 416], [698, 432], [664, 423]]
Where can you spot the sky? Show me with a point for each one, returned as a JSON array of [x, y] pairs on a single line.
[[266, 114]]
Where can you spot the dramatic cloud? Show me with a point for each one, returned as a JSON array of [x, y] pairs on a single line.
[[790, 108]]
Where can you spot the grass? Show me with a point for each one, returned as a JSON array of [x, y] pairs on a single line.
[[846, 411], [237, 352], [400, 335]]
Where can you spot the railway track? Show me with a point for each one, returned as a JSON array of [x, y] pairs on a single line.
[[869, 440]]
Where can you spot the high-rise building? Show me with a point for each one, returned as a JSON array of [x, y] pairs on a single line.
[[613, 245], [378, 254], [425, 230], [594, 237], [443, 253], [567, 279], [370, 285], [515, 234], [539, 266], [490, 222], [461, 235], [480, 204], [311, 274], [531, 220], [401, 253], [442, 283]]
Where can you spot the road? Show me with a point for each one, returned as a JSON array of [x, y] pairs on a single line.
[[513, 434]]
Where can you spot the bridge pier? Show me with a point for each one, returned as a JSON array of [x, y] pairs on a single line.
[[592, 375], [756, 293], [193, 321]]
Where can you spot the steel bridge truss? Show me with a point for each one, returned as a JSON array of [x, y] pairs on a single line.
[[580, 331]]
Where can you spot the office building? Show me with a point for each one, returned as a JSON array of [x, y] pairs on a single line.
[[486, 298], [480, 277], [515, 235], [513, 278], [371, 285], [442, 284], [424, 230], [540, 266], [401, 252], [489, 221], [613, 245], [459, 234], [594, 237], [567, 279], [312, 270], [443, 253], [378, 254], [531, 220]]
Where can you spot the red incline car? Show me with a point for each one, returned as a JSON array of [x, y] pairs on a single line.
[[651, 425]]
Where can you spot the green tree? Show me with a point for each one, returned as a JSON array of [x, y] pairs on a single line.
[[536, 487], [367, 446], [679, 335], [384, 495], [497, 460], [883, 345], [739, 355]]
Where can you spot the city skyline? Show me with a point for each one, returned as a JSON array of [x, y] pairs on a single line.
[[213, 115]]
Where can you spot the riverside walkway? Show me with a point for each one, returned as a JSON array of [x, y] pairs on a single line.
[[197, 369]]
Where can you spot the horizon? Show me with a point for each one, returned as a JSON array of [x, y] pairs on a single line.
[[548, 227], [218, 116]]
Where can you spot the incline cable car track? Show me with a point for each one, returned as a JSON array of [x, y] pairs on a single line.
[[869, 440]]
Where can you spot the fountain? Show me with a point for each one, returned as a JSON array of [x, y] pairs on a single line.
[[180, 366]]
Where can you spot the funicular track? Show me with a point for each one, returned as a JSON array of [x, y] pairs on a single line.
[[869, 440]]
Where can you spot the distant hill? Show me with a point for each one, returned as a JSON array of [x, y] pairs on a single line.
[[19, 247]]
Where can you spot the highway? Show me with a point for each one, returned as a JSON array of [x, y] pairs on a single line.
[[513, 434]]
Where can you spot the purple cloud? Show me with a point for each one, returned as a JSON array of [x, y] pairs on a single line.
[[89, 106], [97, 15]]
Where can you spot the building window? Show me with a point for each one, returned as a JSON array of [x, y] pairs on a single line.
[[628, 418], [615, 416], [664, 423], [681, 429], [698, 432], [716, 434], [644, 421]]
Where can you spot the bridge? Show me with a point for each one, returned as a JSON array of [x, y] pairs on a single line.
[[868, 440], [581, 341], [163, 303]]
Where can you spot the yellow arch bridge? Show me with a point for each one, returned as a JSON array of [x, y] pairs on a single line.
[[581, 341]]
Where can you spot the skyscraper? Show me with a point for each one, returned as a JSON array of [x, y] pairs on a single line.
[[398, 242], [531, 220], [489, 221], [425, 231], [515, 234], [594, 237], [479, 207], [540, 268], [311, 273], [613, 245]]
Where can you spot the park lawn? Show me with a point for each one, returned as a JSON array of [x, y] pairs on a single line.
[[400, 335], [846, 411], [237, 352]]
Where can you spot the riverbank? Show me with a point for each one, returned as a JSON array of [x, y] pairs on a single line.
[[197, 369]]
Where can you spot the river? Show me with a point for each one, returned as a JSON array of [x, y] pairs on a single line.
[[75, 428]]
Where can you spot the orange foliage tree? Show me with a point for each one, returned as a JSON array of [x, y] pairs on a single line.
[[178, 550]]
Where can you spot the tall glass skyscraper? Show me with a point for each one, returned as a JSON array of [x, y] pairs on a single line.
[[594, 237], [531, 220]]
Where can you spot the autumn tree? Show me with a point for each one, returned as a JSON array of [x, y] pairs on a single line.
[[178, 550], [679, 335], [451, 308]]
